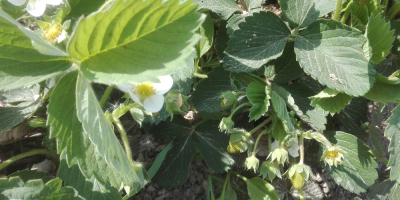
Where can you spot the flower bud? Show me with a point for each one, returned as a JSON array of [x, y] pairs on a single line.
[[227, 99], [270, 170], [226, 124], [252, 163], [298, 175]]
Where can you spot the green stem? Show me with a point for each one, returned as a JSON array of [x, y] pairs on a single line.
[[200, 75], [380, 157], [258, 139], [105, 5], [301, 195], [338, 10], [240, 176], [321, 138], [269, 142], [260, 125], [105, 96], [24, 155], [301, 145], [385, 4], [393, 11], [125, 140], [228, 175], [238, 108], [345, 16]]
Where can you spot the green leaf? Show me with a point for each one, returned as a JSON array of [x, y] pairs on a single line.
[[90, 189], [82, 7], [259, 98], [359, 16], [206, 95], [390, 65], [379, 37], [344, 67], [279, 105], [243, 80], [72, 141], [261, 189], [386, 190], [175, 168], [11, 116], [158, 161], [100, 132], [26, 175], [22, 65], [300, 13], [206, 31], [260, 39], [233, 23], [393, 130], [221, 41], [330, 100], [171, 129], [10, 28], [252, 4], [395, 25], [284, 68], [385, 90], [357, 171], [224, 8], [278, 130], [16, 188], [296, 97], [354, 115], [116, 46], [212, 146]]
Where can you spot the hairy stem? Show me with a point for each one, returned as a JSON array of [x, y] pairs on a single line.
[[24, 155], [301, 195], [228, 175], [301, 145], [260, 125], [238, 108], [338, 10], [105, 96], [258, 139], [125, 140], [380, 157]]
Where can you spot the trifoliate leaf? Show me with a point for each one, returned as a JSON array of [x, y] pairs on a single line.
[[22, 65], [258, 96], [386, 190], [339, 65], [224, 8], [385, 90], [330, 100], [207, 93], [284, 68], [116, 45], [393, 130], [357, 171], [379, 37], [260, 39]]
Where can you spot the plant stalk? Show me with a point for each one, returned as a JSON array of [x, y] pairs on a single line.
[[338, 10], [301, 194], [301, 145], [239, 107], [260, 125], [380, 157], [24, 155], [125, 140], [258, 139], [393, 11], [105, 96]]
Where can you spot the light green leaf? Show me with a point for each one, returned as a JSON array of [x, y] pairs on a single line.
[[82, 7], [206, 95], [359, 16], [379, 37], [224, 8], [26, 175], [206, 31], [339, 65], [296, 97], [393, 131], [354, 115], [259, 98], [284, 68], [385, 90], [357, 171], [260, 39], [158, 161], [137, 115], [300, 13], [212, 147], [16, 188], [100, 132], [278, 130], [386, 190], [22, 65], [279, 105], [261, 189], [330, 100], [175, 168], [116, 46], [90, 189]]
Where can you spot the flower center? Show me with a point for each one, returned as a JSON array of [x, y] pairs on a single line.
[[52, 31], [332, 154], [144, 91]]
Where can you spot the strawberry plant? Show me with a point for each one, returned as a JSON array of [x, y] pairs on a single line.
[[219, 82]]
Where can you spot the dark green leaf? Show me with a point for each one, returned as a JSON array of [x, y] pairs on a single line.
[[330, 100], [354, 115], [11, 116], [260, 39], [393, 130], [278, 130], [357, 171], [221, 42], [175, 168], [279, 105], [258, 96], [26, 175], [345, 68], [243, 80], [157, 163], [261, 189], [171, 129], [390, 65], [386, 190], [299, 13], [385, 90], [224, 8], [206, 31], [206, 95], [212, 146]]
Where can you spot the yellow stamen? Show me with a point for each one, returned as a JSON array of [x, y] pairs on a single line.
[[144, 91], [52, 32], [332, 154]]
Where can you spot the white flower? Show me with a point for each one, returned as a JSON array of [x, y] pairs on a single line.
[[292, 147], [54, 32], [35, 7], [149, 95]]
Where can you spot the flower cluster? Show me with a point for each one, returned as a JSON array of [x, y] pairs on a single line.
[[35, 7]]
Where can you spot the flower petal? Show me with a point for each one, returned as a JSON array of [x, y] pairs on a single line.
[[36, 8], [135, 98], [294, 150], [17, 2], [154, 103], [164, 86], [53, 2], [126, 87], [274, 145], [62, 36]]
